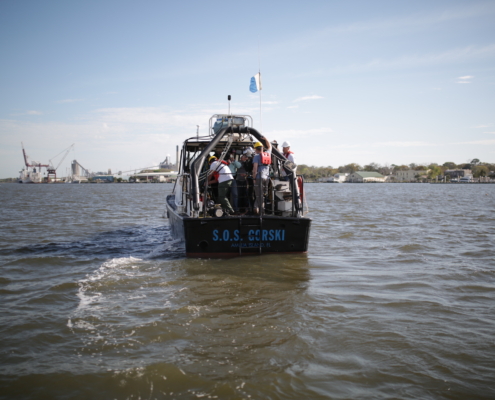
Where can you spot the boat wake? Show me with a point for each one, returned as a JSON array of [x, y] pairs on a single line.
[[142, 241]]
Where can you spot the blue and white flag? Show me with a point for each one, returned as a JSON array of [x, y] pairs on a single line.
[[255, 83]]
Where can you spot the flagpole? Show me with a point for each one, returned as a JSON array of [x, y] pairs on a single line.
[[261, 121], [261, 85]]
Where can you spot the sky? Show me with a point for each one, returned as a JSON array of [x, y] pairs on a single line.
[[390, 82]]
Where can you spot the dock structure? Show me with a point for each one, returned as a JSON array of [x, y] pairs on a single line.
[[160, 177]]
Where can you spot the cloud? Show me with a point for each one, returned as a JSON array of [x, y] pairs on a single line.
[[403, 144], [490, 132], [296, 106], [415, 21], [464, 79], [150, 116], [68, 101], [29, 112], [408, 61], [486, 142], [482, 126], [299, 132], [306, 98]]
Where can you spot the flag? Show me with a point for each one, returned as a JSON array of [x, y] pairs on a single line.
[[255, 83]]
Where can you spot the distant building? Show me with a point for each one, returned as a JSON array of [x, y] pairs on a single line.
[[365, 176], [409, 175], [457, 173], [340, 177], [161, 177], [167, 163]]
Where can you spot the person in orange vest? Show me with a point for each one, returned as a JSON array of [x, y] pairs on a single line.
[[220, 172], [261, 171]]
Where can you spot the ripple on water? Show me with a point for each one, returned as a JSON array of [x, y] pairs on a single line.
[[393, 300]]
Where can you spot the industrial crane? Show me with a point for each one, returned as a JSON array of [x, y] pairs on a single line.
[[34, 164], [52, 171]]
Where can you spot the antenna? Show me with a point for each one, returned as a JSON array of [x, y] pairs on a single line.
[[197, 131], [229, 98]]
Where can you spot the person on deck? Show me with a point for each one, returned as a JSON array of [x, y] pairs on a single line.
[[260, 173], [243, 180], [220, 172], [234, 166], [289, 155]]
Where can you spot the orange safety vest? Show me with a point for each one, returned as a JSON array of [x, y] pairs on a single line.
[[265, 158]]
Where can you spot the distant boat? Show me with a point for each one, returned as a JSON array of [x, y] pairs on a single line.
[[30, 175], [466, 179]]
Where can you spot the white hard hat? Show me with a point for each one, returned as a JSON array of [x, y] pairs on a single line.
[[249, 151], [285, 144]]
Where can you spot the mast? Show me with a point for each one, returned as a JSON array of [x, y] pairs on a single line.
[[259, 73]]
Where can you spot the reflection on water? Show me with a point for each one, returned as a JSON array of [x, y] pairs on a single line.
[[394, 299]]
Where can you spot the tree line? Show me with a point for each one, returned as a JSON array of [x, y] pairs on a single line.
[[478, 169]]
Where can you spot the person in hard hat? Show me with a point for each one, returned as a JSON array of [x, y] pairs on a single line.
[[220, 172], [261, 173], [249, 152], [245, 184], [287, 154]]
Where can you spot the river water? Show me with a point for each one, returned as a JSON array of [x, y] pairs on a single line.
[[395, 299]]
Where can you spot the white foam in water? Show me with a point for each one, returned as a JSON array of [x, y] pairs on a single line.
[[107, 269]]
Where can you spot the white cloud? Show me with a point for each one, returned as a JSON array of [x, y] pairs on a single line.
[[296, 106], [414, 21], [29, 112], [490, 132], [486, 142], [410, 23], [464, 79], [403, 144], [306, 98], [298, 132], [151, 116], [68, 101]]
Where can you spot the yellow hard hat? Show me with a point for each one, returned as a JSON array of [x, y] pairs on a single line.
[[212, 158], [258, 144]]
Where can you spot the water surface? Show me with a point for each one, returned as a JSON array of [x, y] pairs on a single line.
[[395, 299]]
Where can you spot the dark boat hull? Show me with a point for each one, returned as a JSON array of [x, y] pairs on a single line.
[[239, 235]]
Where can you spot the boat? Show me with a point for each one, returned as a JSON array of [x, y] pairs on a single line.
[[206, 229], [30, 175]]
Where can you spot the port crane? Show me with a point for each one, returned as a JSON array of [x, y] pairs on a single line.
[[51, 170], [34, 164]]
